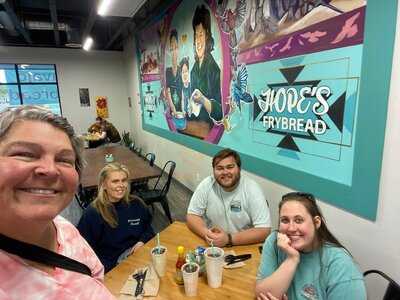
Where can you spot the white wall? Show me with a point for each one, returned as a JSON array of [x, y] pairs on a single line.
[[373, 244], [102, 72]]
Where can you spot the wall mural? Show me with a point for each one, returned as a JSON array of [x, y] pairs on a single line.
[[277, 80]]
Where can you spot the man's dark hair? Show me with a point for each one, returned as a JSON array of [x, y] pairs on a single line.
[[224, 154]]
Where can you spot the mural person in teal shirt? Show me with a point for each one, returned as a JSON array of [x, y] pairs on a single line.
[[205, 74], [304, 260]]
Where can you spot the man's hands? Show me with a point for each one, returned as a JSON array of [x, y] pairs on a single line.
[[217, 237]]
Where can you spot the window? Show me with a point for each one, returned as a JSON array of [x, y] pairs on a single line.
[[29, 84]]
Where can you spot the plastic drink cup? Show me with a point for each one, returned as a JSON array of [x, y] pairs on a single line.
[[190, 274], [159, 258], [214, 266]]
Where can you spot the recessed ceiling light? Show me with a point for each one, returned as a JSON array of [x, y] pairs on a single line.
[[88, 44], [103, 7]]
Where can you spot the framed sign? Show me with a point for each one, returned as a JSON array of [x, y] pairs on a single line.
[[84, 97]]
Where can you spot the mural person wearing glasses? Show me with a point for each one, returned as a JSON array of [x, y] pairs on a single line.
[[40, 165], [304, 260], [205, 74], [228, 209]]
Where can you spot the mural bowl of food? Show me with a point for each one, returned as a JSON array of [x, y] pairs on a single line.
[[179, 115]]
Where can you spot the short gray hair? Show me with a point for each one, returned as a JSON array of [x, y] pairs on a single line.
[[36, 113]]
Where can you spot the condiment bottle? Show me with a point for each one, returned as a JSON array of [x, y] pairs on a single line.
[[179, 263]]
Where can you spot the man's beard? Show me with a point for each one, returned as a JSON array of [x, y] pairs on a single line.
[[235, 181]]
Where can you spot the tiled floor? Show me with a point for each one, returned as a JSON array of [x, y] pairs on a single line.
[[178, 200]]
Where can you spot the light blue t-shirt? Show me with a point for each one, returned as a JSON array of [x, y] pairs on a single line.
[[326, 274]]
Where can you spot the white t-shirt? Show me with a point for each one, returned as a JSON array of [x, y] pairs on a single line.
[[243, 208]]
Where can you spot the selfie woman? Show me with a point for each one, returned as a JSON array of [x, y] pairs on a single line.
[[42, 256], [115, 224], [304, 260]]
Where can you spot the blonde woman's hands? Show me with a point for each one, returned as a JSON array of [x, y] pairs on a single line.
[[136, 247], [269, 296], [284, 243]]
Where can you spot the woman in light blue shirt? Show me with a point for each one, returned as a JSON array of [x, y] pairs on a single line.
[[303, 260]]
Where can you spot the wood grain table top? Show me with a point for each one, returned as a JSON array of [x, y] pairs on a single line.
[[139, 168], [236, 284]]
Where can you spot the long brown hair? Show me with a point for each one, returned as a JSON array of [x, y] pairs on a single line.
[[324, 236], [102, 203]]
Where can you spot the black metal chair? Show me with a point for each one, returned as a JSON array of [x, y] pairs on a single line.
[[160, 194], [132, 146], [85, 196], [135, 149], [151, 157], [143, 185], [393, 289]]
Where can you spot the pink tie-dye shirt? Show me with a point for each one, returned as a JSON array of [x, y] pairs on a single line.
[[19, 281]]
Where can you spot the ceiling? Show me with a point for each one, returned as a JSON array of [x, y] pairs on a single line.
[[66, 23]]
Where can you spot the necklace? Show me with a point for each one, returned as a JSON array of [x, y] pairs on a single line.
[[223, 204]]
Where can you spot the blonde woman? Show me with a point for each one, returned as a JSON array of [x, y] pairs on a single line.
[[115, 224]]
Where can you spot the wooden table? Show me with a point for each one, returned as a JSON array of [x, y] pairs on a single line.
[[236, 284], [139, 168]]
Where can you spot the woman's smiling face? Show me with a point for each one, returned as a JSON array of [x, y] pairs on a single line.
[[116, 185], [37, 171], [296, 222], [200, 41]]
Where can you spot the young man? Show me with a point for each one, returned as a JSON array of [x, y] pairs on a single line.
[[227, 208]]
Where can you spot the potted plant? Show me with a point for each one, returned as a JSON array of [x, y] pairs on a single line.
[[126, 139]]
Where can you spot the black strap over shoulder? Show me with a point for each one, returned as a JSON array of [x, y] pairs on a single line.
[[42, 255]]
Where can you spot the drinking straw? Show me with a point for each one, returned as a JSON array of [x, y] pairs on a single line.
[[158, 243], [212, 248], [192, 266]]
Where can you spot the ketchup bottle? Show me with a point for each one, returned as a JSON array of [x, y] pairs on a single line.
[[179, 263]]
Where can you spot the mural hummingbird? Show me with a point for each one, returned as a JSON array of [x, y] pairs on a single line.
[[239, 87]]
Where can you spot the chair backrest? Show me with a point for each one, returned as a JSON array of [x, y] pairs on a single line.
[[151, 157], [84, 197], [393, 288], [132, 146], [171, 164]]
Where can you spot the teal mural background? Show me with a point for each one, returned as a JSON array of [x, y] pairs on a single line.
[[341, 167]]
